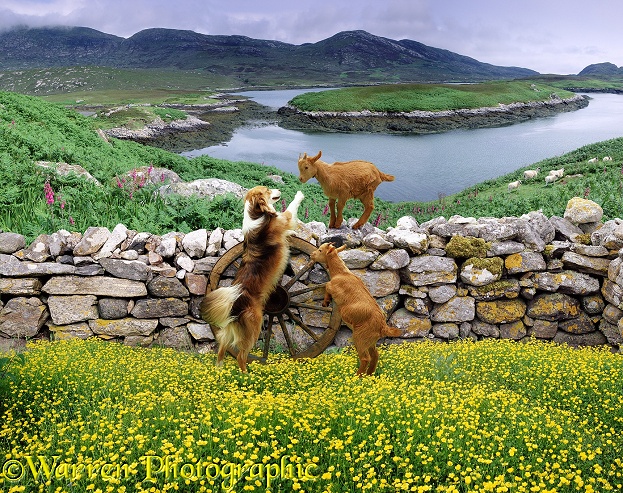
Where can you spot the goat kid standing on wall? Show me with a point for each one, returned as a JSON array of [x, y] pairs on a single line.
[[359, 310], [341, 181]]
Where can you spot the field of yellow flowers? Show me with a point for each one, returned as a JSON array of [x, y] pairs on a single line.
[[93, 416]]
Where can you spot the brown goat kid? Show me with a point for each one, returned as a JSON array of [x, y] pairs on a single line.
[[359, 310], [342, 181]]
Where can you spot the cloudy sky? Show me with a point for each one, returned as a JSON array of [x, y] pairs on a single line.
[[549, 36]]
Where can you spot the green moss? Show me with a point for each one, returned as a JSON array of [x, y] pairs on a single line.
[[466, 247], [493, 264], [584, 239]]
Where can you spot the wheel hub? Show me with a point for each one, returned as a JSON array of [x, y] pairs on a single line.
[[278, 301]]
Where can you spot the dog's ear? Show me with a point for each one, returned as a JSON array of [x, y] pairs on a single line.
[[264, 207]]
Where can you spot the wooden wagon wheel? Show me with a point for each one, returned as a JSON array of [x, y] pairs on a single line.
[[295, 306]]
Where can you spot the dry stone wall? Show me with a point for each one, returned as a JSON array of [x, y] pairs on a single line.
[[558, 279]]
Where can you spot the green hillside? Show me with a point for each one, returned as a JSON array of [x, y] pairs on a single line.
[[32, 130]]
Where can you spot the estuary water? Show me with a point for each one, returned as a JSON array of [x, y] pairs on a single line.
[[426, 166]]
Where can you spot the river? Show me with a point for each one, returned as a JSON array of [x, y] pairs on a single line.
[[426, 166]]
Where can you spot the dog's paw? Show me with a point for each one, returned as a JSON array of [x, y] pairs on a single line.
[[299, 196]]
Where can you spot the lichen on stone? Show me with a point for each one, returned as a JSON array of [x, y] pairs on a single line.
[[466, 247]]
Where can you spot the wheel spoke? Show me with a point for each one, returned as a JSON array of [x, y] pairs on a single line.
[[299, 274], [286, 334], [267, 335], [302, 324], [314, 287], [311, 307]]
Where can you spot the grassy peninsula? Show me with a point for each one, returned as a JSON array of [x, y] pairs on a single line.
[[427, 97], [33, 130]]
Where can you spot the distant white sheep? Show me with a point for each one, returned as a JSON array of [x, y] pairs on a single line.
[[550, 179], [531, 173], [607, 158], [558, 173], [514, 185], [592, 160]]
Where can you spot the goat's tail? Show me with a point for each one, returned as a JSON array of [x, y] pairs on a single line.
[[388, 331], [386, 177]]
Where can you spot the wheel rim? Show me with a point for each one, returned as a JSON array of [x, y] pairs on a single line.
[[294, 310]]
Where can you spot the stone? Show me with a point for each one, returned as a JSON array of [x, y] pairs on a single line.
[[441, 294], [500, 311], [544, 329], [167, 287], [595, 338], [514, 330], [415, 242], [195, 243], [447, 331], [410, 324], [159, 307], [612, 333], [504, 288], [582, 324], [22, 317], [593, 304], [379, 283], [485, 329], [11, 242], [174, 337], [418, 306], [481, 271], [215, 241], [200, 332], [118, 235], [554, 306], [11, 266], [503, 248], [123, 327], [79, 330], [20, 287], [466, 247], [588, 265], [567, 281], [39, 249], [394, 259], [612, 293], [92, 240], [527, 261], [100, 286], [377, 242], [581, 211], [126, 269], [196, 284], [66, 310], [359, 258], [458, 309], [427, 270], [112, 308]]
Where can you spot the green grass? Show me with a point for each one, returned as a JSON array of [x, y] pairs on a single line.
[[426, 97], [32, 130], [486, 416]]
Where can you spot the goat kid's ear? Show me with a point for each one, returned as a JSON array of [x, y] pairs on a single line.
[[340, 249], [316, 157]]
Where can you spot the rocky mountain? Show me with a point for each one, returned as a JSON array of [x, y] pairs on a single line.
[[350, 56], [601, 69]]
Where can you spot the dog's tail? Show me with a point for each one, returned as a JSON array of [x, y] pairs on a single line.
[[388, 331], [216, 310], [386, 177]]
